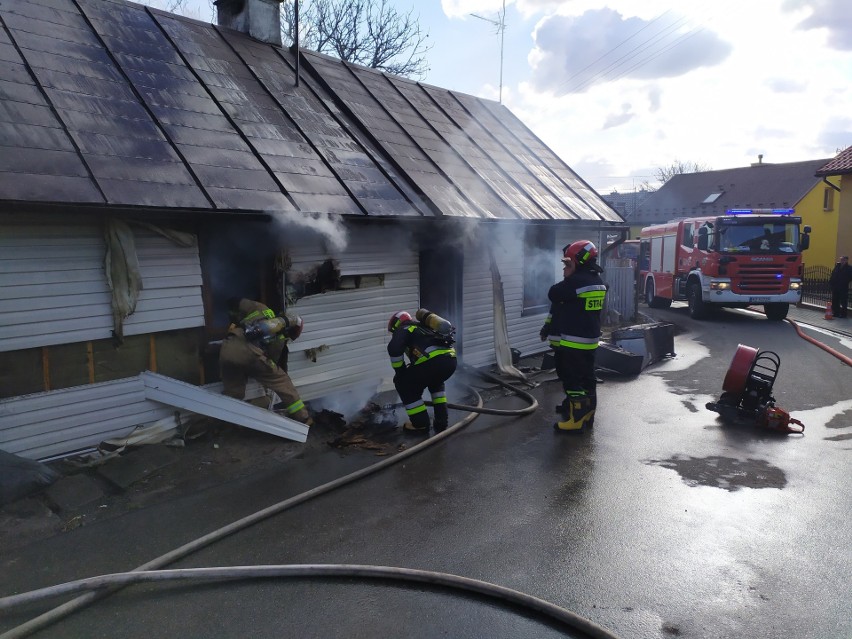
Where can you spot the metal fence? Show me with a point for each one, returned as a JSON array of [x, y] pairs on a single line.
[[815, 288], [621, 298]]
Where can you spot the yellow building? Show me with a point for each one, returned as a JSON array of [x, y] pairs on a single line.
[[837, 177]]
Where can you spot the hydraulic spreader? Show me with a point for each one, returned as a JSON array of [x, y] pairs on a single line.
[[747, 391]]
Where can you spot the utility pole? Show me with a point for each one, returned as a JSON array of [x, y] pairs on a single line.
[[500, 23], [296, 41]]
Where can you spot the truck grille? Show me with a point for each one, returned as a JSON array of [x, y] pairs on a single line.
[[761, 279]]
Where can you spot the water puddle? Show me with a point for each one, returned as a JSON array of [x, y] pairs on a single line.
[[726, 473]]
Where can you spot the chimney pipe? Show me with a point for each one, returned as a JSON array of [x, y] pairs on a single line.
[[260, 19]]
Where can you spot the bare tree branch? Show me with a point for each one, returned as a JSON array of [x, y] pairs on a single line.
[[665, 173], [371, 33]]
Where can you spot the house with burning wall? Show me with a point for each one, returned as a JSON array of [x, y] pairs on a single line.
[[153, 166]]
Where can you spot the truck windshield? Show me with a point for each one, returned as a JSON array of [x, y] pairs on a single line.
[[763, 238]]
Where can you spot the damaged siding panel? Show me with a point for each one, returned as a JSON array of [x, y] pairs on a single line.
[[53, 287], [56, 423], [346, 330]]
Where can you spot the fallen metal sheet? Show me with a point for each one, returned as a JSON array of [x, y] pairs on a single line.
[[173, 392]]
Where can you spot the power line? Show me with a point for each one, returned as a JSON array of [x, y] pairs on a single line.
[[616, 69]]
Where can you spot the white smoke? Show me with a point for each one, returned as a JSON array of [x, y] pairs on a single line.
[[331, 227]]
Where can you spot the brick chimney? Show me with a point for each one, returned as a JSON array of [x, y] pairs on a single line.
[[260, 19]]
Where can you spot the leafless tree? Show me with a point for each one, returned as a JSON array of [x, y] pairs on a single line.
[[665, 173], [371, 33]]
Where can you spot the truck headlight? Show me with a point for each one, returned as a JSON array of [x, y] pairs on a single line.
[[795, 285], [720, 286]]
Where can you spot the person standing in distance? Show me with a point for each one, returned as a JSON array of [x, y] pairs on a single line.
[[573, 327], [839, 284]]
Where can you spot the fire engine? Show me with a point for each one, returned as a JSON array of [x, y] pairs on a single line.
[[743, 258]]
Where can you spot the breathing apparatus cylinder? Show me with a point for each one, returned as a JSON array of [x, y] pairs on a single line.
[[433, 321], [264, 329]]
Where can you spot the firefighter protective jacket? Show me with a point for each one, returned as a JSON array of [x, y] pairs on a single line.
[[417, 343], [575, 311], [250, 311]]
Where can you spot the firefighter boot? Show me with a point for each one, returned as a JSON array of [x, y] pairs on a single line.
[[418, 424], [442, 417], [590, 422], [580, 412]]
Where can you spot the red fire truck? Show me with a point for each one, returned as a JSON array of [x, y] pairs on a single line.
[[743, 258]]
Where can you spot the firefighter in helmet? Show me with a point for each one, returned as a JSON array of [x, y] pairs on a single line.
[[431, 362], [573, 327], [256, 346]]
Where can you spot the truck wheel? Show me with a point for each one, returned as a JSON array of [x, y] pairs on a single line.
[[776, 312], [652, 301], [697, 308]]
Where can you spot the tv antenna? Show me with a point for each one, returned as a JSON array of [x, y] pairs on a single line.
[[500, 23]]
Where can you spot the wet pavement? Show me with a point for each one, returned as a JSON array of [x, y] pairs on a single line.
[[661, 522]]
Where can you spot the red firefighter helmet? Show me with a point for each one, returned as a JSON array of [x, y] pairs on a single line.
[[398, 318], [580, 252]]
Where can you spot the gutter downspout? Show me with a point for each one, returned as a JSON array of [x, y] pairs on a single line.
[[834, 186]]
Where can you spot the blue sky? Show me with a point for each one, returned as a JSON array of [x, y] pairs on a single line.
[[621, 87]]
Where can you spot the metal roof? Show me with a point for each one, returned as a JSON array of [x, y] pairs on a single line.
[[714, 192], [110, 103]]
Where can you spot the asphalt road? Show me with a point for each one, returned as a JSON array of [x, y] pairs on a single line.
[[661, 522]]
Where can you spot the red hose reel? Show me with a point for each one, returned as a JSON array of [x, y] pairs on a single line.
[[747, 391]]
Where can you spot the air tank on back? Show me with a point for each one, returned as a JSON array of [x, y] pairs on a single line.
[[433, 321]]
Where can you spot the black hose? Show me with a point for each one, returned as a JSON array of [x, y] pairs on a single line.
[[233, 573]]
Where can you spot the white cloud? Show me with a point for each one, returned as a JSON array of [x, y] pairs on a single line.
[[832, 15], [574, 53]]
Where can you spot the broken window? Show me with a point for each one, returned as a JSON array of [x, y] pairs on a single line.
[[323, 278]]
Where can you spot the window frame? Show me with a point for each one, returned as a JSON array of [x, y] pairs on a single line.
[[538, 275]]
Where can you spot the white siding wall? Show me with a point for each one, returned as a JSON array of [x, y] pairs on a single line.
[[350, 327], [478, 315], [53, 287], [478, 304], [60, 422]]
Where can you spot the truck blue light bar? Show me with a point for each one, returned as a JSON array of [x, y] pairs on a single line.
[[760, 211]]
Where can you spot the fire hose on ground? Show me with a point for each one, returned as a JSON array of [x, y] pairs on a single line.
[[96, 588]]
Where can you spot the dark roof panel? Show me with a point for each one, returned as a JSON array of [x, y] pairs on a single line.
[[65, 56], [34, 146], [482, 142], [460, 159], [585, 202], [183, 107], [368, 109], [111, 102], [325, 137]]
